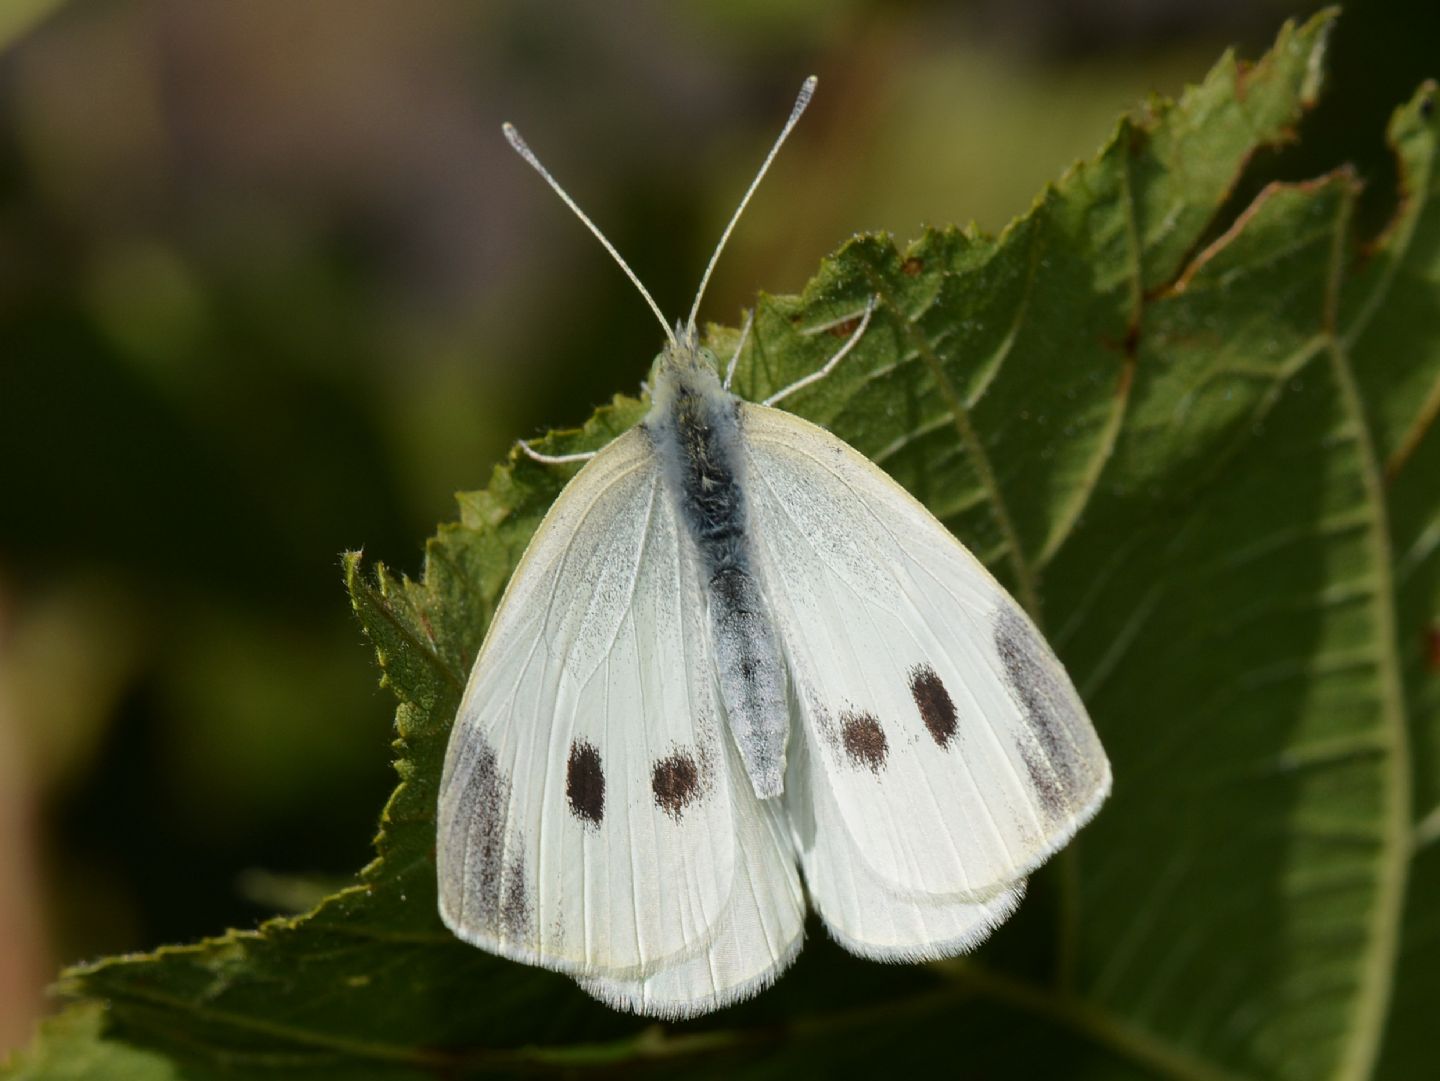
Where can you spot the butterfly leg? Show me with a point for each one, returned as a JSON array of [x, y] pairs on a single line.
[[735, 356], [555, 459], [829, 366]]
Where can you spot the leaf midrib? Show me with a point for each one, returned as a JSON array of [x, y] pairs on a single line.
[[1379, 974]]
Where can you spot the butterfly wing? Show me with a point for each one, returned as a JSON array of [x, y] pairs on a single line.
[[586, 819], [756, 938], [946, 736], [861, 911]]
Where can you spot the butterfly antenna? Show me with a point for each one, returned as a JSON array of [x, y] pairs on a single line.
[[513, 137], [807, 90]]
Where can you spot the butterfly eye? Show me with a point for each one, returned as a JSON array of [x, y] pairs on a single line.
[[864, 740], [585, 783], [937, 709]]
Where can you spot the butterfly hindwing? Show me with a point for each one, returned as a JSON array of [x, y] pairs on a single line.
[[586, 816], [862, 913], [757, 936], [955, 750]]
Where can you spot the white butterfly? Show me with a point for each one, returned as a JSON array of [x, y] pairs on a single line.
[[736, 657]]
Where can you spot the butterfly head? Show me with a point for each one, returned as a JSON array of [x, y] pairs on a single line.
[[683, 363], [683, 352]]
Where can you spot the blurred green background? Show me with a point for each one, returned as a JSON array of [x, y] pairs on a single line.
[[272, 286]]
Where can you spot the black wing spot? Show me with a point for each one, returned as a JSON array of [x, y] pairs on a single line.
[[936, 707], [864, 740], [675, 782], [585, 783]]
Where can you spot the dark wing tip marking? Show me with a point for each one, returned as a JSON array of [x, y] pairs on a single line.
[[864, 740], [515, 907], [492, 894], [675, 781], [1053, 762], [585, 783], [1047, 782], [937, 708]]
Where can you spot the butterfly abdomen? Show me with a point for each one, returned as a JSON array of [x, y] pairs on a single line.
[[696, 433]]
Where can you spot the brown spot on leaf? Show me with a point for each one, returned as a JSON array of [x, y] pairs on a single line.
[[1432, 647], [936, 707], [1244, 72], [675, 782], [1128, 346], [1127, 378], [864, 740], [845, 327], [912, 266], [585, 783]]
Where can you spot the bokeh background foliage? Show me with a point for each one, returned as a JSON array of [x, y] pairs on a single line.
[[1189, 421]]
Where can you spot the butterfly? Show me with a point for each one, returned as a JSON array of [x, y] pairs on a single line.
[[740, 672]]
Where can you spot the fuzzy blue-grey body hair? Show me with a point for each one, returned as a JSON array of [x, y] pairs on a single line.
[[694, 426]]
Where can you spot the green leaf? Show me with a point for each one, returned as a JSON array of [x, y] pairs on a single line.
[[1393, 334], [21, 16], [1202, 452]]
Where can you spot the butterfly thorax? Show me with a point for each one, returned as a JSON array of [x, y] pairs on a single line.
[[694, 425]]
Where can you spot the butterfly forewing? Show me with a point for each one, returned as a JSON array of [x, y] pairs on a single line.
[[957, 754], [586, 820]]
